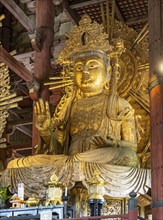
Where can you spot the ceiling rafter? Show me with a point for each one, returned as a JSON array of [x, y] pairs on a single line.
[[92, 2], [24, 130], [70, 12], [118, 14], [137, 20], [19, 146], [86, 3], [19, 14], [23, 89], [15, 66], [20, 122]]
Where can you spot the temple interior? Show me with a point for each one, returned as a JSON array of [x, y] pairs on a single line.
[[81, 109]]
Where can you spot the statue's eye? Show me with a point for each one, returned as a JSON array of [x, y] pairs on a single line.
[[79, 68], [93, 65]]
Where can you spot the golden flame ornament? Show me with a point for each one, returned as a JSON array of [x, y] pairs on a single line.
[[7, 100]]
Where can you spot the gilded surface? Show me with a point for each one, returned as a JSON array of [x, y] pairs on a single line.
[[120, 180], [8, 100], [94, 117], [92, 127]]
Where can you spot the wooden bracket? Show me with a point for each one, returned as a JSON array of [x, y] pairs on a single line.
[[36, 40], [33, 90]]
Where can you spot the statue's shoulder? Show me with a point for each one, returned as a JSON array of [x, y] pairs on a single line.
[[118, 107], [123, 103]]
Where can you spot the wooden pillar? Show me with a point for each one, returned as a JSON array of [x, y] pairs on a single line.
[[155, 11], [42, 68], [3, 157], [132, 207], [6, 28]]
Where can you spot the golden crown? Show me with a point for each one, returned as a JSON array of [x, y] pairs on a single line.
[[88, 36]]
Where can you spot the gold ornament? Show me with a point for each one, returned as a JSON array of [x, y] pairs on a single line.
[[1, 18], [96, 187], [54, 190], [7, 100], [88, 36]]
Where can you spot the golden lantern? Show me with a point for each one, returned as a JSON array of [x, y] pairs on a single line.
[[96, 191], [96, 187], [54, 191]]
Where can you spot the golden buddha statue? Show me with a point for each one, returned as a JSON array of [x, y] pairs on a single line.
[[92, 125], [93, 119], [88, 125]]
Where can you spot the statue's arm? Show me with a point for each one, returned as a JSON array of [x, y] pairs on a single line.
[[128, 130], [45, 136], [50, 137], [43, 120]]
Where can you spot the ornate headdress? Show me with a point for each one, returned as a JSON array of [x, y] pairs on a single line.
[[88, 36]]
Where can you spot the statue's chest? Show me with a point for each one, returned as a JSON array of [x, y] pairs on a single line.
[[87, 115]]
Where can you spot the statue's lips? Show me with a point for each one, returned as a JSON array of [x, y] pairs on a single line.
[[86, 81]]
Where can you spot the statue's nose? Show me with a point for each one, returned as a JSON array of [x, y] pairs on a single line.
[[85, 69], [85, 75]]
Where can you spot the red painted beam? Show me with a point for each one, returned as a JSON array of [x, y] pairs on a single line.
[[45, 22], [15, 66]]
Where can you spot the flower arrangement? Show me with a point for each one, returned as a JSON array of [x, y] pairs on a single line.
[[4, 195]]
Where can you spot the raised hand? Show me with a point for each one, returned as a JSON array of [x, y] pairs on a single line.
[[100, 141], [43, 118]]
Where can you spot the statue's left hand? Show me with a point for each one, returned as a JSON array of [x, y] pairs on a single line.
[[100, 141]]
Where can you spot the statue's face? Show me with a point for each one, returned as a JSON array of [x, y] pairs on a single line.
[[90, 74]]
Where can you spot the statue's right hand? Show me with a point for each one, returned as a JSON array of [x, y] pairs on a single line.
[[42, 114], [100, 141]]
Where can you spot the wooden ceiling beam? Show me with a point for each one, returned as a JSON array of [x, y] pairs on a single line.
[[19, 14], [24, 130], [19, 123], [118, 14], [23, 89], [86, 3], [92, 2], [27, 110], [19, 146], [137, 20], [15, 66], [70, 12]]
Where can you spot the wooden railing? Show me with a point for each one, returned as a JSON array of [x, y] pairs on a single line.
[[122, 217]]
